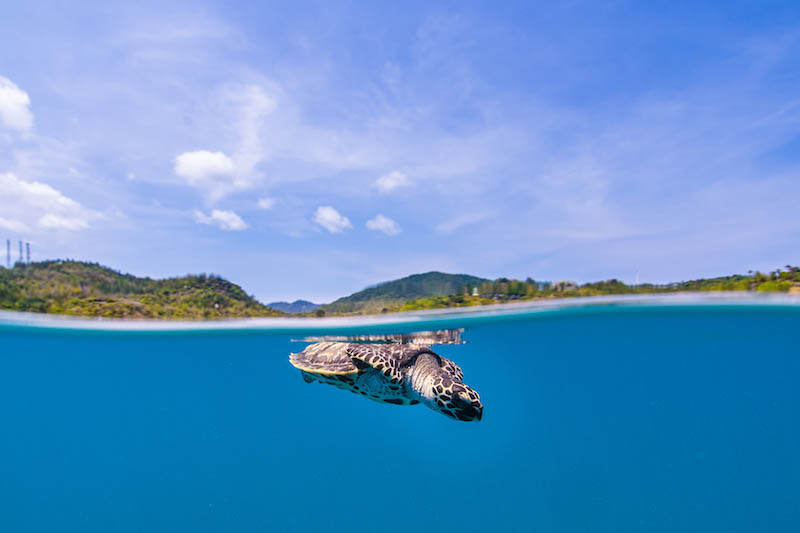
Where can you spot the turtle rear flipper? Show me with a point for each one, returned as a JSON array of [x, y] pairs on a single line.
[[308, 378]]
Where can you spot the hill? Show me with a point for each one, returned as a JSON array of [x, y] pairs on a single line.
[[297, 306], [507, 290], [392, 293], [78, 288]]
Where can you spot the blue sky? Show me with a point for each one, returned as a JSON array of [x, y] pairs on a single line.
[[306, 150]]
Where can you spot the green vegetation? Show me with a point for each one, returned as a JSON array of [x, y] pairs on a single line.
[[77, 288], [504, 290], [394, 293]]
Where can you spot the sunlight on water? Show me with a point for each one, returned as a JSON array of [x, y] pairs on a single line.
[[602, 418]]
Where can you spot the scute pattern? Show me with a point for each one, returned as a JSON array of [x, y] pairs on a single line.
[[457, 400], [452, 368], [381, 373], [386, 359]]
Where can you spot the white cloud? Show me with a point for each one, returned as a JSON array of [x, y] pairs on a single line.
[[266, 203], [384, 224], [13, 225], [214, 173], [330, 219], [14, 107], [32, 203], [243, 109], [391, 181], [253, 105], [202, 166], [51, 221], [227, 220]]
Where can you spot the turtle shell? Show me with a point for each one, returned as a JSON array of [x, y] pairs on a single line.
[[341, 359]]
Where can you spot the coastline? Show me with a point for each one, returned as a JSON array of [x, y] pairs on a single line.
[[405, 319]]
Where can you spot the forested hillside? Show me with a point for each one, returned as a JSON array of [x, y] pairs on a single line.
[[78, 288], [393, 293]]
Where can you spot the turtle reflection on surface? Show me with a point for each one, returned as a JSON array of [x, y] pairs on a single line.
[[424, 338]]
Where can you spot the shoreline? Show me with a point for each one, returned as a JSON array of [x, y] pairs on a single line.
[[399, 319]]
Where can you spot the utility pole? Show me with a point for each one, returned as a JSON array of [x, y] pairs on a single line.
[[28, 252], [8, 253]]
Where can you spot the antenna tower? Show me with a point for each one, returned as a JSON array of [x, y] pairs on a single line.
[[20, 251], [8, 253], [27, 252]]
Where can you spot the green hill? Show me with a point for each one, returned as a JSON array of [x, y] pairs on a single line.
[[77, 288], [507, 290], [393, 293]]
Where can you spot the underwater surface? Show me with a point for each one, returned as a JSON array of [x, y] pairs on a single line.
[[615, 418]]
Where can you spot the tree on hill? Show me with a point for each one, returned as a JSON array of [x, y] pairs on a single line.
[[392, 293], [79, 288]]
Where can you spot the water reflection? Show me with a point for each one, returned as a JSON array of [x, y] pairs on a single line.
[[422, 338]]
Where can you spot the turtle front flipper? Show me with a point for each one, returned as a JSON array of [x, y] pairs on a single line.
[[376, 356]]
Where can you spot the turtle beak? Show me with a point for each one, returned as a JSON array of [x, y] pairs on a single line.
[[468, 410], [475, 411]]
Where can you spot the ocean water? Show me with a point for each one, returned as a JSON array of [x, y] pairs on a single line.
[[647, 417]]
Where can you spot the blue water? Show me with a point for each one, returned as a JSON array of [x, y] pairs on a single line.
[[644, 418]]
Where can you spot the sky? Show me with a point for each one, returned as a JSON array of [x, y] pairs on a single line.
[[310, 149]]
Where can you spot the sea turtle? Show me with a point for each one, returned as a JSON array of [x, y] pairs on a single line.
[[401, 374]]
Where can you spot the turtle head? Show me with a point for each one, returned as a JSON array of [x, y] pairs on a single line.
[[457, 400], [441, 389]]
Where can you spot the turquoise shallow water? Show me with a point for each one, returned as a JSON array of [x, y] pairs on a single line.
[[614, 418]]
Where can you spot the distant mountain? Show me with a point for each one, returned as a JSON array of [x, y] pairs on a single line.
[[297, 306], [373, 299], [78, 288]]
